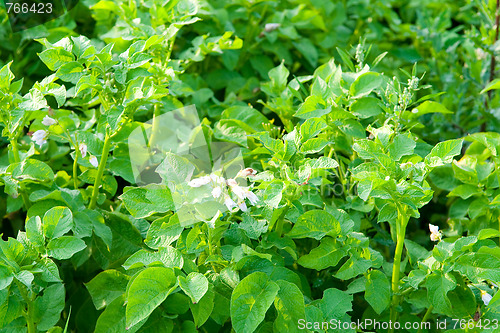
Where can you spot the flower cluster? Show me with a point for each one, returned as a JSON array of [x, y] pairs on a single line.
[[435, 233], [40, 138], [486, 297], [222, 188]]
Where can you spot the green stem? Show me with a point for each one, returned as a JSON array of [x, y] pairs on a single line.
[[425, 318], [17, 159], [211, 248], [154, 128], [29, 304], [100, 171], [75, 169], [400, 235], [281, 220]]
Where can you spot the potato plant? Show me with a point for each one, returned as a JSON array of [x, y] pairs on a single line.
[[185, 166]]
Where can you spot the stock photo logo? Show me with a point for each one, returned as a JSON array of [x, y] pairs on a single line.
[[171, 158], [25, 14]]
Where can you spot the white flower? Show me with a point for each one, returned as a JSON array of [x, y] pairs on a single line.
[[414, 111], [435, 233], [40, 137], [246, 173], [83, 149], [93, 161], [242, 192], [387, 178], [243, 206], [433, 228], [197, 182], [271, 26], [230, 204], [232, 182], [216, 192], [217, 179], [252, 198], [47, 121], [486, 297], [239, 191]]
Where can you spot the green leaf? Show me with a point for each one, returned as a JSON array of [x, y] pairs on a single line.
[[365, 84], [493, 85], [203, 309], [55, 58], [463, 300], [313, 106], [112, 319], [485, 233], [48, 307], [273, 193], [415, 251], [314, 145], [279, 77], [322, 162], [71, 72], [6, 277], [366, 107], [148, 200], [82, 47], [34, 231], [250, 300], [308, 50], [480, 266], [176, 303], [335, 304], [346, 58], [327, 254], [168, 256], [220, 313], [443, 153], [429, 107], [195, 285], [25, 277], [438, 285], [465, 191], [289, 304], [57, 221], [163, 232], [106, 287], [378, 290], [252, 119], [64, 247], [315, 224], [311, 127], [32, 170], [147, 291], [401, 146], [10, 309], [175, 168], [50, 272]]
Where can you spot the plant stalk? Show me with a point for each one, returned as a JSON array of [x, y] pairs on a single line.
[[425, 318], [17, 159], [29, 304], [400, 236], [75, 169], [100, 171], [281, 220], [154, 128]]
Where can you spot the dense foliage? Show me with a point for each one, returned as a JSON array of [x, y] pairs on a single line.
[[251, 166]]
